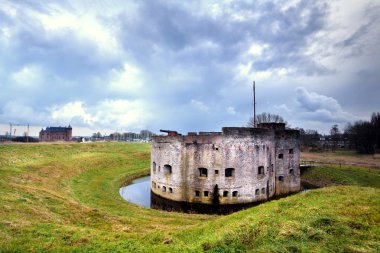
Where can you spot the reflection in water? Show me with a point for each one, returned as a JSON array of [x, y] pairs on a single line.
[[138, 192]]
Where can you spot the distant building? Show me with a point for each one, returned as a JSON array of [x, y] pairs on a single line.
[[56, 134]]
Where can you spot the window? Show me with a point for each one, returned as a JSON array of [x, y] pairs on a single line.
[[159, 168], [234, 194], [281, 178], [230, 172], [225, 193], [205, 193], [263, 190], [272, 168], [164, 188], [291, 151], [291, 172], [216, 172], [167, 169], [202, 172], [170, 190], [257, 192], [154, 184], [260, 170], [197, 194], [154, 166], [280, 156]]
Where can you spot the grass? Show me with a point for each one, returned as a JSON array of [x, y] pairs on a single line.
[[333, 175], [64, 198]]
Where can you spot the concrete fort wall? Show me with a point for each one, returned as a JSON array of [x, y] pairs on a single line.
[[242, 162]]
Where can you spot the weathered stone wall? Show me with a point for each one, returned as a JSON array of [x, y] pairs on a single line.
[[240, 161], [287, 162]]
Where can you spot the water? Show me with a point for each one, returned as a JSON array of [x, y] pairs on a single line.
[[138, 192]]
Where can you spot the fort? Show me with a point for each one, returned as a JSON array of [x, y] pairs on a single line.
[[235, 166]]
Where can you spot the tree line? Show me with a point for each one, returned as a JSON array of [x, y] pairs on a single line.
[[364, 136]]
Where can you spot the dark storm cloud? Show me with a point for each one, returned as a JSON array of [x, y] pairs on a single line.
[[182, 65]]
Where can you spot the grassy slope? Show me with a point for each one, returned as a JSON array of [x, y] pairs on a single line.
[[65, 198]]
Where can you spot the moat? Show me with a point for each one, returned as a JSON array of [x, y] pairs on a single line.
[[139, 193]]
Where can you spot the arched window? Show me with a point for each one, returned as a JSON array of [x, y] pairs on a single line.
[[202, 172], [291, 172], [234, 194], [229, 172], [167, 169], [260, 170], [257, 192], [281, 178]]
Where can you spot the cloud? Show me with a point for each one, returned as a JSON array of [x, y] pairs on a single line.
[[128, 80], [199, 105], [118, 113], [318, 107], [231, 110], [187, 66], [73, 112]]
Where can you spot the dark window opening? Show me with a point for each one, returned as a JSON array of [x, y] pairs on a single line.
[[164, 188], [170, 190], [230, 172], [205, 193], [291, 151], [280, 156], [202, 172], [281, 178], [197, 194], [257, 192], [154, 166], [234, 194], [216, 149], [216, 172], [167, 169], [291, 172], [263, 190], [225, 193], [272, 168], [260, 170]]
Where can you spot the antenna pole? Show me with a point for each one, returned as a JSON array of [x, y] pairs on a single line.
[[254, 104]]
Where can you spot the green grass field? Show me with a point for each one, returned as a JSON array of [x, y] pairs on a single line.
[[65, 198]]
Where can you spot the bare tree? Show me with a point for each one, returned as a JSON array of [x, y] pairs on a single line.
[[335, 135], [266, 118]]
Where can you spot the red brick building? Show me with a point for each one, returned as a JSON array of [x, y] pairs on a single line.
[[56, 134]]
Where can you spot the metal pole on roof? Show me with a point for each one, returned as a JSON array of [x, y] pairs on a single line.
[[254, 104]]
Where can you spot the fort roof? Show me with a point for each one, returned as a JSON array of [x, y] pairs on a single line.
[[57, 129]]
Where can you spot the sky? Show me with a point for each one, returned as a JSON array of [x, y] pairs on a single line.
[[187, 65]]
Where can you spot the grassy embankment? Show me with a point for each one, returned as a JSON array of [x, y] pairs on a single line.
[[64, 198]]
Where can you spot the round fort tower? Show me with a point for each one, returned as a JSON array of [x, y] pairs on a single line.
[[235, 166]]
